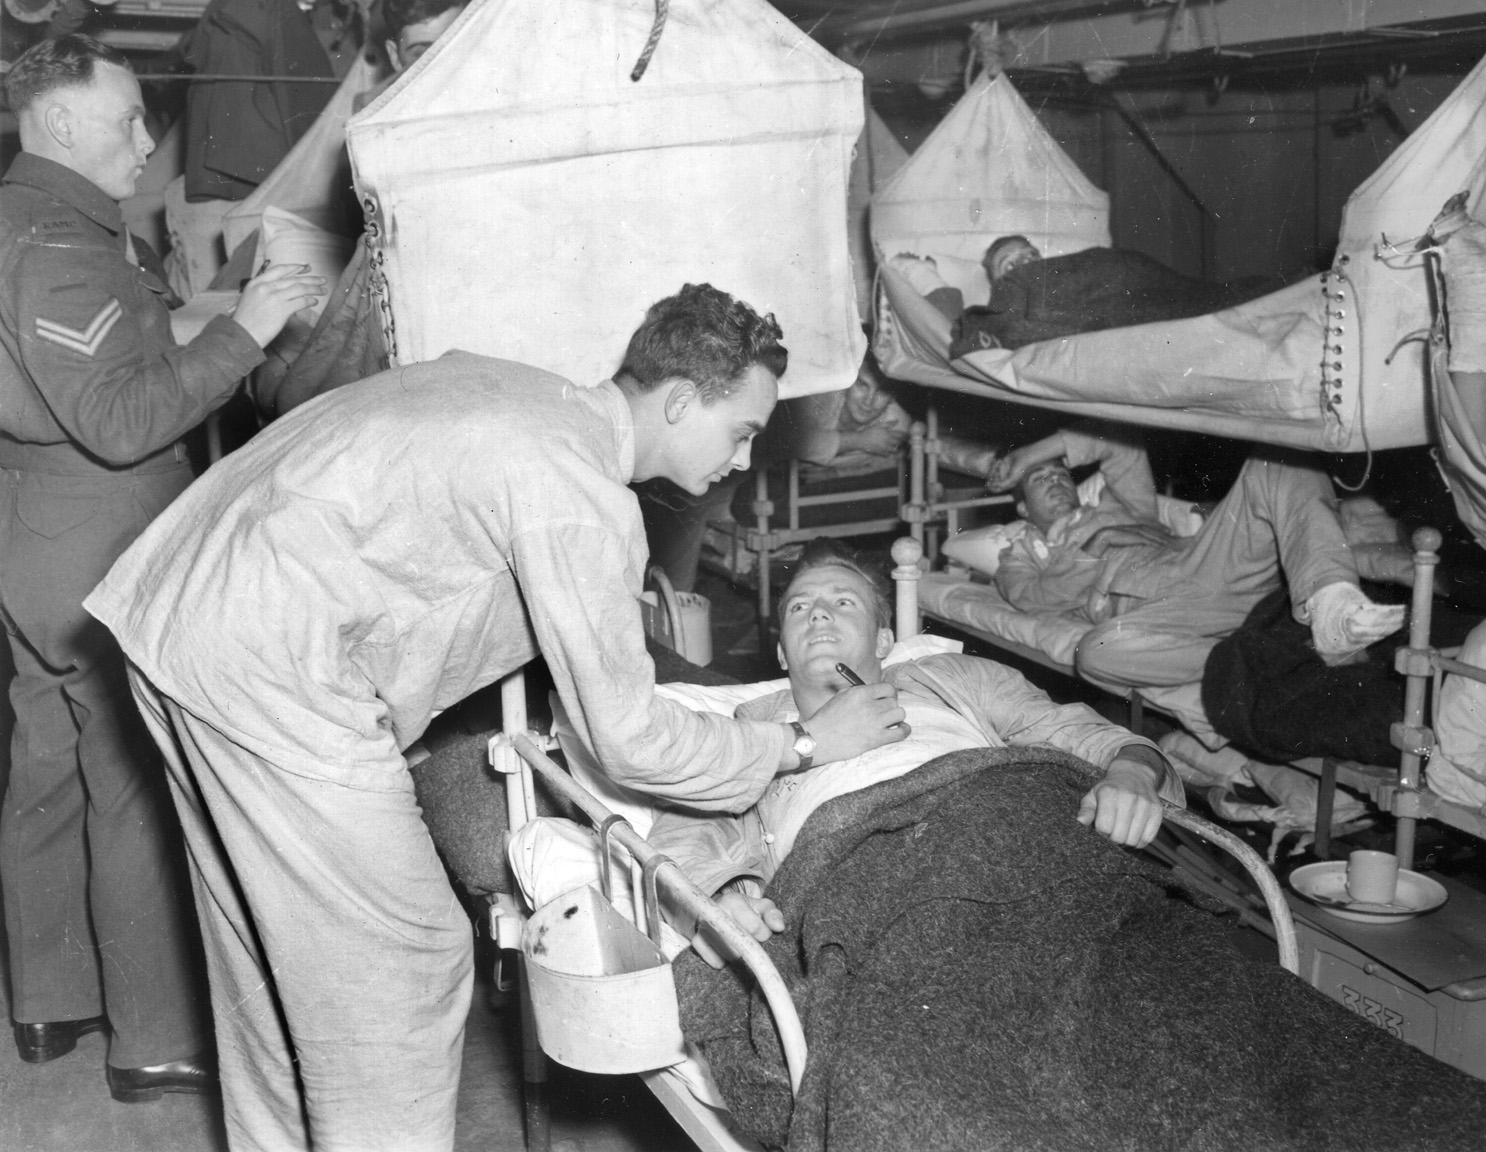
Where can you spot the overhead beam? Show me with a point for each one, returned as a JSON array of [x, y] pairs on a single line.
[[1168, 35], [1075, 30], [1071, 32]]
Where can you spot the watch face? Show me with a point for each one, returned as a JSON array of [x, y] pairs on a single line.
[[804, 745]]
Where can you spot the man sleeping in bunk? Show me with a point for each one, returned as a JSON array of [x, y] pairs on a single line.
[[834, 625], [1160, 602], [1040, 298], [975, 970]]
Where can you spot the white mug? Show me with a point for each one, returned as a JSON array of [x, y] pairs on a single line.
[[1372, 877]]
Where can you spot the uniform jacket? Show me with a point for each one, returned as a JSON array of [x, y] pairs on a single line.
[[91, 378]]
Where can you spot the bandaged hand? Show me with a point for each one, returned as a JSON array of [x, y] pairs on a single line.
[[757, 915], [1124, 806]]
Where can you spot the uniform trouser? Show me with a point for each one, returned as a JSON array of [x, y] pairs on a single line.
[[97, 907], [1279, 516], [340, 958]]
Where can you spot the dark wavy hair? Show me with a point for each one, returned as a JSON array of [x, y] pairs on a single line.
[[398, 14], [827, 552], [988, 261], [703, 335], [66, 62]]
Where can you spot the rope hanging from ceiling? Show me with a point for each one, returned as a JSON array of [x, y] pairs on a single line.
[[662, 10]]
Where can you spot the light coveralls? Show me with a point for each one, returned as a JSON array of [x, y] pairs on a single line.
[[296, 620], [94, 398], [1160, 609]]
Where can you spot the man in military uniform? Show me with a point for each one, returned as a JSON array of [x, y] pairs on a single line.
[[94, 398]]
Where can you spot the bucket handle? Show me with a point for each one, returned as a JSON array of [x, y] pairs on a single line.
[[647, 877], [606, 883], [652, 900]]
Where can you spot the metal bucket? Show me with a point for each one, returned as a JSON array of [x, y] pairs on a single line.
[[611, 1004], [681, 621]]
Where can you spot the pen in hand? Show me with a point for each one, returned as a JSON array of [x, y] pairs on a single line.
[[855, 681]]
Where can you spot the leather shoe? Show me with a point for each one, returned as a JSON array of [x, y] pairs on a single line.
[[196, 1075], [38, 1043]]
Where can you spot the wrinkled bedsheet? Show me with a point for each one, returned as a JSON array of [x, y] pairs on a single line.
[[978, 971]]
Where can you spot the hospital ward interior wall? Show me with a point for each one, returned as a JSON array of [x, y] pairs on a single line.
[[1273, 164]]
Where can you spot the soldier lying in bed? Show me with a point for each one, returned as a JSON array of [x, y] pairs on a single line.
[[1160, 603], [833, 613], [1035, 297]]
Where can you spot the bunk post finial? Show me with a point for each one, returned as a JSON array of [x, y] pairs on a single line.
[[1426, 555], [913, 511], [906, 552]]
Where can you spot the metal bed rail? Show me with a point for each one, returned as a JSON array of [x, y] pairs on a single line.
[[922, 502], [907, 554], [661, 871]]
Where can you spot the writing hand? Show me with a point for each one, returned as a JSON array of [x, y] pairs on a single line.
[[856, 720]]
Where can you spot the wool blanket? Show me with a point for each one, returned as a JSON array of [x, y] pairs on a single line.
[[1267, 691], [977, 971], [1088, 291]]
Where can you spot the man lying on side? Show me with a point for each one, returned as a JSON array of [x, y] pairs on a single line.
[[833, 612]]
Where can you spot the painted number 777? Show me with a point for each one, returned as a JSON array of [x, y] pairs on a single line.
[[1369, 1009]]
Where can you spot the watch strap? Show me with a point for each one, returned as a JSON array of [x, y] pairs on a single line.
[[806, 758]]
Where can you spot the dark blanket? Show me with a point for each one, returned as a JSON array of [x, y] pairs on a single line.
[[464, 803], [1265, 688], [978, 971], [1088, 291]]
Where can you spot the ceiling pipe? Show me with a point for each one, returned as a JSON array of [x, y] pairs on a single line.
[[835, 28]]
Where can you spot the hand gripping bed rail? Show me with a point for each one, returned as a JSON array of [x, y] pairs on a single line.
[[1279, 911], [661, 869]]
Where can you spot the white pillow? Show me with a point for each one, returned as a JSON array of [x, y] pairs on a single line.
[[920, 271], [981, 548], [966, 275], [724, 699], [639, 808], [291, 239]]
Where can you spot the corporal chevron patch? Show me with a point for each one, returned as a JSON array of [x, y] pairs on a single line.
[[87, 340]]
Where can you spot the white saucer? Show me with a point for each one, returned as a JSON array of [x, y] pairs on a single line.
[[1325, 885]]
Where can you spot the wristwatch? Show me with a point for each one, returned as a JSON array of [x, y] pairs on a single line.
[[804, 745]]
